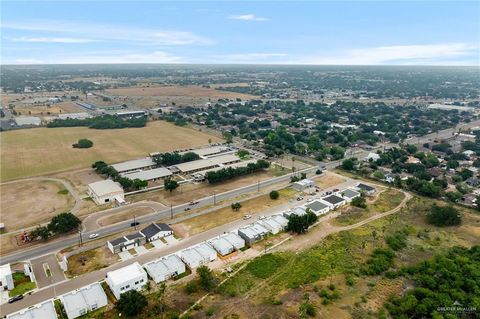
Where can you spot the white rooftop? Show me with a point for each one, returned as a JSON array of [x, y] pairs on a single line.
[[208, 162], [305, 182], [5, 270], [134, 164], [206, 151], [126, 273], [88, 297], [28, 120], [148, 174], [44, 310], [105, 187], [237, 241]]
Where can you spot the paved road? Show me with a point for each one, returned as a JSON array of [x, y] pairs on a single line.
[[65, 286], [159, 214]]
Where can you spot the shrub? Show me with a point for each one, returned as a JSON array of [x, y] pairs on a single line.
[[191, 287], [444, 216], [83, 143], [359, 201], [381, 260], [397, 241], [274, 195]]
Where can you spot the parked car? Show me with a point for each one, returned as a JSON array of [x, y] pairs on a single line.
[[186, 209], [336, 190], [261, 217], [299, 198], [16, 298], [92, 236], [247, 216], [309, 200], [134, 224]]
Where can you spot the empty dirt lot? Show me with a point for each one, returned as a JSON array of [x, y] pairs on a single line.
[[175, 91], [42, 151], [28, 203]]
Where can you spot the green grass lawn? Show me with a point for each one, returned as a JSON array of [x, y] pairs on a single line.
[[22, 284]]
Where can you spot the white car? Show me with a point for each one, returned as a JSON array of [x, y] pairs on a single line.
[[92, 236], [247, 216], [261, 217], [309, 200]]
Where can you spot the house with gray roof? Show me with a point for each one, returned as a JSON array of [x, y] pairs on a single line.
[[155, 231]]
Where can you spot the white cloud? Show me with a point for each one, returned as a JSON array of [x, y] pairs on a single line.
[[53, 40], [247, 17], [111, 32], [106, 58], [425, 54]]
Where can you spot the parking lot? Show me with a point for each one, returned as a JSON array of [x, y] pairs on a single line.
[[46, 277]]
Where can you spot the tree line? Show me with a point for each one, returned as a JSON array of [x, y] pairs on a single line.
[[230, 172], [101, 122], [172, 158], [127, 183]]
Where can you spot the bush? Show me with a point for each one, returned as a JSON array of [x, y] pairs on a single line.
[[131, 303], [397, 241], [360, 202], [206, 279], [444, 216], [274, 195], [83, 143], [191, 287], [381, 260]]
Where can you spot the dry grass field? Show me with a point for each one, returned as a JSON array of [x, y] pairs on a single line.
[[173, 91], [113, 219], [43, 151], [27, 203]]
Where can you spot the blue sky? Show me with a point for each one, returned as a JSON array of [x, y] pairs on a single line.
[[321, 32]]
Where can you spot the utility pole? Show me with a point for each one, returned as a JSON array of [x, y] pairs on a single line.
[[258, 186], [134, 223], [80, 234], [214, 199], [171, 210]]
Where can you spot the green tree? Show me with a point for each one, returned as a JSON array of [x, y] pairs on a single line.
[[243, 153], [170, 185], [64, 223], [40, 231], [131, 303], [349, 164], [444, 216], [274, 195], [359, 201], [236, 206], [83, 143], [206, 278]]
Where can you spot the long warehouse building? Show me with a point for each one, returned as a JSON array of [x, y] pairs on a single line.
[[204, 164]]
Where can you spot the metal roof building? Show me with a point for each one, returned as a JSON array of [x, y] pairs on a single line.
[[299, 211], [191, 257], [334, 201], [127, 278], [348, 194], [132, 165], [28, 121], [79, 302], [149, 174], [209, 151], [271, 225], [44, 310], [165, 268], [207, 252], [106, 191], [280, 220], [303, 184], [234, 239], [222, 246], [204, 164], [318, 207]]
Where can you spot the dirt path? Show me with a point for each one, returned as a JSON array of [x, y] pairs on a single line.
[[307, 240]]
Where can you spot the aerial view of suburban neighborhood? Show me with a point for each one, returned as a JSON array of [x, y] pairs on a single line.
[[202, 180]]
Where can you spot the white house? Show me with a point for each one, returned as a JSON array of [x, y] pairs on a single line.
[[191, 257], [281, 220], [156, 231], [6, 278], [207, 252], [318, 208], [303, 184], [236, 241], [80, 301], [222, 246], [106, 191], [271, 225], [43, 310], [127, 278], [334, 201], [165, 268], [348, 194]]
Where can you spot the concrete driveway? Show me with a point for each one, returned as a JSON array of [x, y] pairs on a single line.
[[39, 266]]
